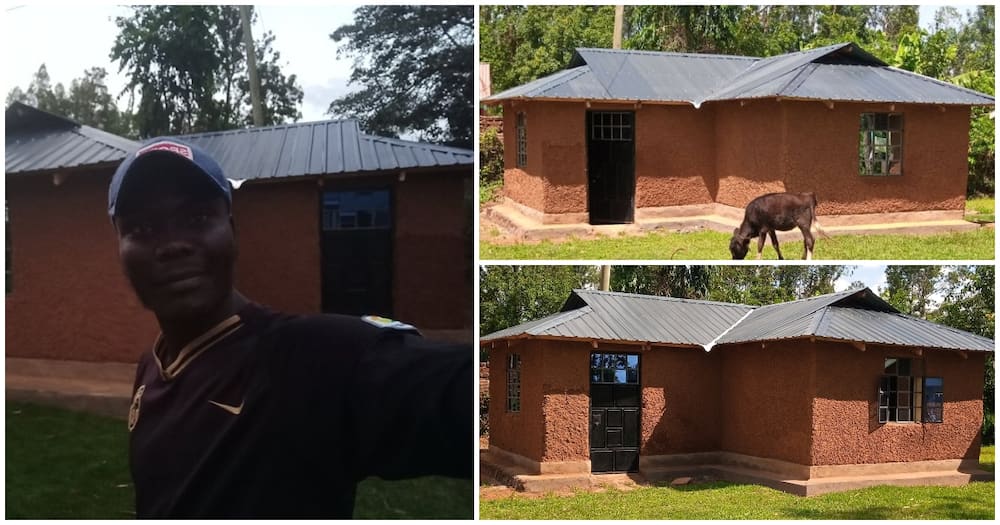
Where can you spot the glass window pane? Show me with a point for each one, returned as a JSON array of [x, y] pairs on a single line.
[[903, 414], [904, 367], [890, 366], [621, 376], [883, 415]]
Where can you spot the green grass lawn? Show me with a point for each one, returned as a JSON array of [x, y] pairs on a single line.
[[980, 209], [733, 501], [63, 464], [710, 245]]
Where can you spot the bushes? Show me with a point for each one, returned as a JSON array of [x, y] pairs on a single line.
[[490, 164], [988, 429]]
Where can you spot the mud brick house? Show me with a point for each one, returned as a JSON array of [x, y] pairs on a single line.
[[328, 219], [828, 393], [621, 136]]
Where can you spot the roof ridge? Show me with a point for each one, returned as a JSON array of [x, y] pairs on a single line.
[[670, 53], [102, 140], [268, 128], [663, 298], [562, 316]]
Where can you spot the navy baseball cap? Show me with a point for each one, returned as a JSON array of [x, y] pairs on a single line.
[[158, 149]]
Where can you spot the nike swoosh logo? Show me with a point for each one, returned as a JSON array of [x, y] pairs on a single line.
[[229, 408]]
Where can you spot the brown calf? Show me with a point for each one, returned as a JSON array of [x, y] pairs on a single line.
[[775, 212]]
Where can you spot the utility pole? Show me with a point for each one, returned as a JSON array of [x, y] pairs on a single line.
[[619, 16], [606, 278], [258, 110]]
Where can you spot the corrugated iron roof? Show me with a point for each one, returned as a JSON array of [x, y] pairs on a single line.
[[612, 316], [318, 148], [853, 315], [39, 141], [840, 72]]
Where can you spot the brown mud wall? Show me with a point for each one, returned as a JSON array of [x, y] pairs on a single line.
[[521, 432], [675, 156], [845, 413], [767, 400], [680, 396]]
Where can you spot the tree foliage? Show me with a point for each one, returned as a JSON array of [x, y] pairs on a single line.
[[414, 64], [87, 100], [511, 295], [187, 66], [522, 43]]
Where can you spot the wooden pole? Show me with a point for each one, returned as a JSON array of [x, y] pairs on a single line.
[[605, 278], [619, 16], [258, 110]]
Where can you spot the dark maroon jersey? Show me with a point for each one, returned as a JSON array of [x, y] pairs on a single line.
[[274, 416]]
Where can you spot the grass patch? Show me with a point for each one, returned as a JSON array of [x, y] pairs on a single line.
[[740, 502], [988, 457], [980, 209], [711, 245], [64, 464]]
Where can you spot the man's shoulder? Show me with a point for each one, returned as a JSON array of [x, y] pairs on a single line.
[[337, 329]]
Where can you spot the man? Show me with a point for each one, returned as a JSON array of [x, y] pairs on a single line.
[[240, 411]]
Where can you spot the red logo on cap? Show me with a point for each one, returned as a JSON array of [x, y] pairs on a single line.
[[172, 147]]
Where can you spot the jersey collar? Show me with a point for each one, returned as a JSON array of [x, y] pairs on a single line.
[[195, 348]]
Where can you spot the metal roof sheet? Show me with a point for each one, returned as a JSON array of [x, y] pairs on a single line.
[[852, 315], [39, 141], [839, 72], [318, 148], [613, 316]]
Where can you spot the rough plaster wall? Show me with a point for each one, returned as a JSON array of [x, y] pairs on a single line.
[[675, 156], [749, 151], [845, 418], [277, 233], [563, 149], [767, 400], [680, 401], [518, 432], [566, 404], [554, 181], [935, 159], [70, 299], [524, 185], [432, 285]]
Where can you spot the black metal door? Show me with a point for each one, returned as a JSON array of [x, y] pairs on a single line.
[[615, 397], [611, 166], [356, 252]]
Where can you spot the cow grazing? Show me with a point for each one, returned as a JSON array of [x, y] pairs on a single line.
[[776, 212]]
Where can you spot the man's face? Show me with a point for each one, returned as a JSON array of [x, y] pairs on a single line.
[[176, 244]]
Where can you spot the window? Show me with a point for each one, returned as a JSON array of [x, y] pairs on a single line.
[[522, 140], [896, 391], [513, 383], [353, 210], [611, 125], [906, 397], [614, 368], [933, 400], [880, 149]]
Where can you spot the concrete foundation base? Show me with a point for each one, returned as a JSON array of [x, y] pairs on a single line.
[[801, 480], [527, 224]]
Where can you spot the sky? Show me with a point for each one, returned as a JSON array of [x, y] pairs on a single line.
[[77, 38]]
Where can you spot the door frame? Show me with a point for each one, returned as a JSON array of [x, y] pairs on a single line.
[[630, 218], [638, 407], [328, 186]]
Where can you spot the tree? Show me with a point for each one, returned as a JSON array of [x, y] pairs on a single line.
[[414, 64], [511, 295], [761, 285], [87, 101], [690, 282], [188, 66], [909, 288], [522, 43]]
